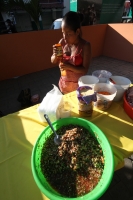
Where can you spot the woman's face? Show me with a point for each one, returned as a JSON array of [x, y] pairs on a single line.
[[70, 36]]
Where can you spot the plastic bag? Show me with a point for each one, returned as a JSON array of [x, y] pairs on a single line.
[[50, 105]]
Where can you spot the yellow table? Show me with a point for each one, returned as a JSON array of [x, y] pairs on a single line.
[[19, 131]]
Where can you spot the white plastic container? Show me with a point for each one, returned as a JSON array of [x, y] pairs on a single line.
[[102, 75], [121, 84], [65, 109], [88, 80], [104, 101]]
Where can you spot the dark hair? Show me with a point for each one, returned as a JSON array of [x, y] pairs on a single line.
[[72, 20]]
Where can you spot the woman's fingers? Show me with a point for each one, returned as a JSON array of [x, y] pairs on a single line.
[[55, 54], [54, 50], [61, 66]]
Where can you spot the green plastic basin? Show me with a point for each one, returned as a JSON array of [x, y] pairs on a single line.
[[108, 171]]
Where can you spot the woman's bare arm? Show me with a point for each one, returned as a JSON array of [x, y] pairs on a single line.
[[54, 58]]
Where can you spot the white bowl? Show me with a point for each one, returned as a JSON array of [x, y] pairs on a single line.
[[88, 80], [103, 75], [122, 84], [104, 101]]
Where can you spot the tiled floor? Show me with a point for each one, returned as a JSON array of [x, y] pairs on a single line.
[[41, 82]]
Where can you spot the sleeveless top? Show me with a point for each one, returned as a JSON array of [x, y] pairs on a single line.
[[69, 81], [74, 60]]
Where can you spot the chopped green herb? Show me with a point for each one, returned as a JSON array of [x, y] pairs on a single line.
[[74, 167]]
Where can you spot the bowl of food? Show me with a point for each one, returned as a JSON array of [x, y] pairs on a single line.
[[128, 102], [121, 83], [88, 80], [81, 167], [102, 75], [105, 95]]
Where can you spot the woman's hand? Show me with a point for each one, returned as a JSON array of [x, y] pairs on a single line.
[[64, 66], [54, 58], [54, 49]]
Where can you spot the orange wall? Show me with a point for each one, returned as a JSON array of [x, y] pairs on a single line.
[[119, 42], [24, 53], [28, 52], [95, 35]]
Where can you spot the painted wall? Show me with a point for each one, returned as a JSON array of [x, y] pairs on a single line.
[[119, 41], [28, 52], [95, 35]]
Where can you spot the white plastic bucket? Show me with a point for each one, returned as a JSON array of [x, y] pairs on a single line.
[[102, 75], [104, 101], [121, 84], [88, 80]]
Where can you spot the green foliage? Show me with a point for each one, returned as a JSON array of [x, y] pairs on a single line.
[[32, 7], [4, 5]]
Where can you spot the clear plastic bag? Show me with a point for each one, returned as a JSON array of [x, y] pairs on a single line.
[[50, 105]]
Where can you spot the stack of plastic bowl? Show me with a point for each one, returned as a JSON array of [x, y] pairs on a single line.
[[121, 83], [102, 75], [104, 101], [88, 80], [108, 170]]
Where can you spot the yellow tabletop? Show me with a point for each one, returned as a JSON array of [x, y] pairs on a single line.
[[19, 131]]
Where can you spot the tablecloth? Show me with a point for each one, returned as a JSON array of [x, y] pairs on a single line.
[[19, 131]]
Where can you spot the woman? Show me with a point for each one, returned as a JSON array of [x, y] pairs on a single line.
[[76, 53]]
